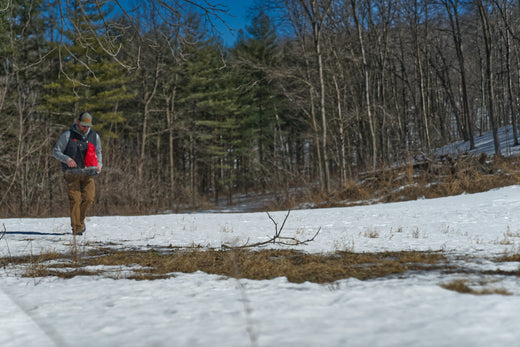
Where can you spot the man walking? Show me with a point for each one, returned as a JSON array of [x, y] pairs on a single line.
[[79, 151]]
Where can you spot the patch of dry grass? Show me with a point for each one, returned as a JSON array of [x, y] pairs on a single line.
[[31, 259], [262, 264], [463, 286], [240, 263], [509, 258]]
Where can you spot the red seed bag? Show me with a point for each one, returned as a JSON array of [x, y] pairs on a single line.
[[91, 157]]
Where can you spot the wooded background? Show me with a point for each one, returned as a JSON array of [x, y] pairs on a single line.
[[312, 93]]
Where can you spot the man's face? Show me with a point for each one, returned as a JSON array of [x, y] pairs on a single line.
[[83, 129]]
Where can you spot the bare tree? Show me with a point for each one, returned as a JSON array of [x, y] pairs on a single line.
[[317, 12], [452, 9], [368, 97], [490, 76]]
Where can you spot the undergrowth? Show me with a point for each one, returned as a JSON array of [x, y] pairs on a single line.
[[426, 179]]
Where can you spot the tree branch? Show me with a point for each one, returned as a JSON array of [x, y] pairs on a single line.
[[277, 239]]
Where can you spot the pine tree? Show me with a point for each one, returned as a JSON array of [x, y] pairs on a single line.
[[255, 57], [210, 99], [5, 49], [88, 78]]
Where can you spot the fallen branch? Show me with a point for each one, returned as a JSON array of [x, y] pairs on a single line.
[[277, 239]]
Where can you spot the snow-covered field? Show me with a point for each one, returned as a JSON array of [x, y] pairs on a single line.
[[208, 310]]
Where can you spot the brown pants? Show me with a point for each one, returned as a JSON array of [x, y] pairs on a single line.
[[81, 190]]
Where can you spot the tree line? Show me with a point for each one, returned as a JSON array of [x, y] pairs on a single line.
[[311, 93]]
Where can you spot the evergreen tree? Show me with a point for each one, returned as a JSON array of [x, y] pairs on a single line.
[[255, 57], [210, 100], [88, 78], [5, 49]]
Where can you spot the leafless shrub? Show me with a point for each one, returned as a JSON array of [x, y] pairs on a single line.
[[277, 238]]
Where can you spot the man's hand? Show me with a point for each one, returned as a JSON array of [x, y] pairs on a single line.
[[71, 163], [99, 169]]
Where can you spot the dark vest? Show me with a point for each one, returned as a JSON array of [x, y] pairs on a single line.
[[78, 146]]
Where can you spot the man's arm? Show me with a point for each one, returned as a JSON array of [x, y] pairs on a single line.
[[60, 146], [99, 153]]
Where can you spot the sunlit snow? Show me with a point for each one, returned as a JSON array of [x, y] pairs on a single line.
[[208, 310]]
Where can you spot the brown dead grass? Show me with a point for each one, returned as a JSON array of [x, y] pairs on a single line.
[[264, 264], [463, 286], [509, 258], [31, 259]]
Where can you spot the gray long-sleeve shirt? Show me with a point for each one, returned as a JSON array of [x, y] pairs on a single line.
[[62, 142]]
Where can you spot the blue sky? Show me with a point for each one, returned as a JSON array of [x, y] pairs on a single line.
[[236, 20]]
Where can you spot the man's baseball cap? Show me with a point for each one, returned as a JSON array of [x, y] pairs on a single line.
[[85, 119]]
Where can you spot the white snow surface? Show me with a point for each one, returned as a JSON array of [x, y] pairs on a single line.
[[199, 309]]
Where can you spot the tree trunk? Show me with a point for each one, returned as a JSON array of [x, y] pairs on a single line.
[[317, 16], [367, 85], [342, 151], [148, 97], [452, 9], [170, 115], [511, 100], [486, 28]]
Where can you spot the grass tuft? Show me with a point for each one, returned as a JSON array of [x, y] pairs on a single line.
[[463, 286]]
